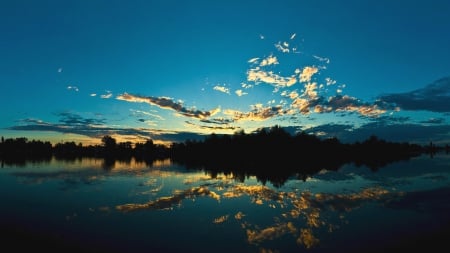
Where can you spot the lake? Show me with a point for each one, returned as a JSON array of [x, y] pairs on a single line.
[[87, 205]]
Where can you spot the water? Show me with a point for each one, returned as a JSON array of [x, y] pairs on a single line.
[[83, 205]]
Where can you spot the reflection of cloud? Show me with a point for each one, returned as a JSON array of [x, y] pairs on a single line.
[[168, 103], [270, 233], [307, 238], [167, 203], [434, 121], [304, 204], [434, 97], [221, 219], [239, 215]]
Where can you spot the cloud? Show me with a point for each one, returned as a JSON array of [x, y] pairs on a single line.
[[222, 89], [322, 59], [220, 121], [386, 129], [282, 47], [434, 121], [257, 114], [240, 93], [107, 95], [434, 97], [152, 115], [98, 131], [253, 60], [330, 81], [309, 102], [270, 60], [168, 103], [226, 127], [74, 88], [257, 75], [69, 118], [307, 73]]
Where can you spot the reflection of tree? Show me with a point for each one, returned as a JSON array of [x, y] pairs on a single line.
[[274, 155], [269, 154], [108, 163]]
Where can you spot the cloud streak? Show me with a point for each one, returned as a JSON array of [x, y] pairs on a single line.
[[168, 103], [434, 97]]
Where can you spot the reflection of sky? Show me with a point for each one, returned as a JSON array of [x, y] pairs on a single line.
[[300, 214]]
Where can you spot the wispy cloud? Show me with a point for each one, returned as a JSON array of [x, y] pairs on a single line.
[[257, 75], [148, 114], [434, 97], [222, 89], [97, 128], [322, 59], [69, 118], [282, 47], [74, 88], [386, 129], [208, 127], [240, 93], [253, 60], [307, 73], [107, 95], [270, 60], [257, 114], [433, 121], [168, 103]]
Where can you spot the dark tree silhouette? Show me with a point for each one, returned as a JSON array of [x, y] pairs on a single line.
[[270, 154]]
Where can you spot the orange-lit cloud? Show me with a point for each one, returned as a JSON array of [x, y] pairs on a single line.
[[240, 93], [307, 73], [168, 103], [257, 114], [270, 60], [222, 89], [257, 75]]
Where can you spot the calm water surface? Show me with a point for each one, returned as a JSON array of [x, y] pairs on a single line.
[[164, 207]]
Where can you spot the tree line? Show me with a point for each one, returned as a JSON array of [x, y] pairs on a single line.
[[259, 151]]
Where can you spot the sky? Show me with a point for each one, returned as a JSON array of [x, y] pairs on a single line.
[[171, 70]]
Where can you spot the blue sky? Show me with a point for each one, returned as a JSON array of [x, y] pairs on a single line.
[[171, 70]]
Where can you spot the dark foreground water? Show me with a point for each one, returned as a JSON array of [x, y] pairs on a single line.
[[135, 207]]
